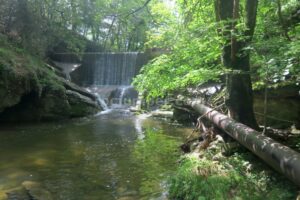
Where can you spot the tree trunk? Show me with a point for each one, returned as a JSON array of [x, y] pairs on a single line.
[[239, 87]]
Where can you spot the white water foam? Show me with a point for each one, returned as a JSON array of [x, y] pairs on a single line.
[[123, 92], [138, 124], [100, 101]]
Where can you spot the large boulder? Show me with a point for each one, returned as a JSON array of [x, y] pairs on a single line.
[[33, 94], [15, 83], [35, 191], [123, 95], [80, 105]]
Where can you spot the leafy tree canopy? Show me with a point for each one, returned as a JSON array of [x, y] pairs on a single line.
[[192, 41]]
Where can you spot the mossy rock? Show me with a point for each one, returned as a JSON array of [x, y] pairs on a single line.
[[31, 91], [81, 105], [14, 85]]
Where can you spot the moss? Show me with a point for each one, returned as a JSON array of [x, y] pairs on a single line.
[[29, 88], [22, 62], [22, 73]]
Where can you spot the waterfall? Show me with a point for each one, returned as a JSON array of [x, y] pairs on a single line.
[[123, 92], [100, 100], [107, 75], [102, 103], [114, 68], [111, 68], [112, 72]]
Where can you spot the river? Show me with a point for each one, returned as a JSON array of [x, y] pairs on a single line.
[[114, 155]]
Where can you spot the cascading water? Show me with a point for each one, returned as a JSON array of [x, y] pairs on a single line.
[[114, 71], [123, 92], [111, 68], [100, 100], [107, 75]]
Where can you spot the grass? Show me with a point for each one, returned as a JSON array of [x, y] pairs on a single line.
[[240, 176]]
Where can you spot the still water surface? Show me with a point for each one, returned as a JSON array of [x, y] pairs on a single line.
[[114, 155]]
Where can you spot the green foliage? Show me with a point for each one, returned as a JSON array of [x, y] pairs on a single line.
[[39, 26], [165, 26], [230, 178], [192, 43], [193, 57], [276, 56]]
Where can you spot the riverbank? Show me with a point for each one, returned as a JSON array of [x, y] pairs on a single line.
[[217, 167]]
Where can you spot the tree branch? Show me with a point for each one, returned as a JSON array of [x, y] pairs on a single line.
[[138, 9]]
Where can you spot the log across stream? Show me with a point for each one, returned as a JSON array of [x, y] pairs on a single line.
[[278, 156]]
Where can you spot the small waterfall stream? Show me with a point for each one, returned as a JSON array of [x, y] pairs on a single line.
[[111, 68], [100, 100], [110, 74], [107, 75], [123, 92]]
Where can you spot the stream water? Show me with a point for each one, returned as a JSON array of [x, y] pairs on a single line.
[[114, 155]]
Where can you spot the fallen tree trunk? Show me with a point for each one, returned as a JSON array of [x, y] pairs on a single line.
[[278, 156]]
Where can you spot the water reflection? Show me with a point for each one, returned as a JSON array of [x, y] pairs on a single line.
[[96, 158]]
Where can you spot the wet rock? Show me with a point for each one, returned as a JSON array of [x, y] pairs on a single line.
[[134, 109], [15, 83], [73, 87], [205, 90], [26, 100], [127, 194], [53, 104], [185, 116], [31, 91], [35, 191], [162, 114], [81, 105], [17, 194], [127, 198], [130, 93], [123, 95]]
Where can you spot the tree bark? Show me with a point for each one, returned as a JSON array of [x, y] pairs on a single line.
[[239, 87]]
